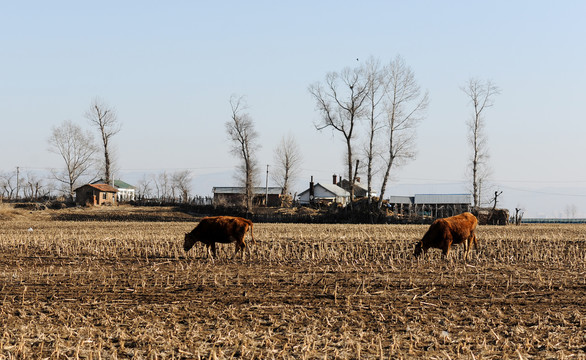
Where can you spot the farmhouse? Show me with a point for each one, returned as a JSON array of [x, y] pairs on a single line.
[[126, 192], [360, 189], [328, 193], [435, 205], [95, 194], [231, 196]]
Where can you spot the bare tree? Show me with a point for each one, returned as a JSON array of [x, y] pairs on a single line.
[[162, 186], [77, 149], [481, 94], [341, 102], [375, 101], [33, 187], [241, 132], [405, 107], [8, 184], [287, 159], [495, 199], [143, 188], [570, 211], [181, 180], [105, 119], [518, 216]]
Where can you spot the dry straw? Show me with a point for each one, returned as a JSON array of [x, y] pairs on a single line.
[[92, 290]]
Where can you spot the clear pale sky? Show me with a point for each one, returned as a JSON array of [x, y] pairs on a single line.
[[169, 68]]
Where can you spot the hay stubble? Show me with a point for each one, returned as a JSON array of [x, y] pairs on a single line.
[[124, 289]]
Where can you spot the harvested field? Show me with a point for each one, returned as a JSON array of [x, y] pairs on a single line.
[[90, 290]]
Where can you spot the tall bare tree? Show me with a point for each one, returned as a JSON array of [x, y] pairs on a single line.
[[287, 157], [375, 106], [481, 94], [244, 137], [341, 101], [105, 119], [77, 148], [405, 108]]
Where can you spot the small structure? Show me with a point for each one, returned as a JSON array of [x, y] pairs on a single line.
[[126, 192], [325, 193], [95, 194], [234, 195], [402, 205], [434, 205], [360, 189]]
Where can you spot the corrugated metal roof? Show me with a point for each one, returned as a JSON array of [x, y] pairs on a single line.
[[401, 200], [122, 185], [273, 190], [443, 198]]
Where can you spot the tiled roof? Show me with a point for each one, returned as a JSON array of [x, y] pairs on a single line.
[[101, 187], [117, 183]]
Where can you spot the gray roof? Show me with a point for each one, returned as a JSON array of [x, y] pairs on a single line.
[[334, 189], [432, 199], [401, 200], [443, 198], [272, 190]]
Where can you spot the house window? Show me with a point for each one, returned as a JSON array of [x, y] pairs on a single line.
[[105, 196]]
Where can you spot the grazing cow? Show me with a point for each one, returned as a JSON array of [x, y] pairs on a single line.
[[221, 229], [442, 233]]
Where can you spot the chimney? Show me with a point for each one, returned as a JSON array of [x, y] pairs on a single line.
[[311, 191], [335, 179]]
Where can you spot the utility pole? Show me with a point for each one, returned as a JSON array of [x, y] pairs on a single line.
[[17, 181], [267, 188]]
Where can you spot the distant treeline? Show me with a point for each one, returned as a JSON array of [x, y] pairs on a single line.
[[306, 215], [553, 221]]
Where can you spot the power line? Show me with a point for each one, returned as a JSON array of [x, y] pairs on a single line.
[[542, 192]]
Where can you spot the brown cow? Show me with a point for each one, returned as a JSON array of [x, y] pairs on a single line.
[[442, 233], [221, 229]]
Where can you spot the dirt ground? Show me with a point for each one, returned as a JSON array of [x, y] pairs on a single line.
[[127, 290]]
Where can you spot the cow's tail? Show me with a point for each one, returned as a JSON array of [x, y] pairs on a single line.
[[251, 235]]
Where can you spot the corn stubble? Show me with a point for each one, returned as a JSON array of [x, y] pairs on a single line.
[[101, 290]]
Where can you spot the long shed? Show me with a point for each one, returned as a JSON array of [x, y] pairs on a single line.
[[234, 195], [435, 205]]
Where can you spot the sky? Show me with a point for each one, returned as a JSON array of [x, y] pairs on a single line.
[[169, 69]]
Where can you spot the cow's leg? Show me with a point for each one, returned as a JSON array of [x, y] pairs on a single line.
[[471, 241], [236, 248], [447, 242], [467, 244], [446, 249], [475, 241], [240, 245], [214, 250]]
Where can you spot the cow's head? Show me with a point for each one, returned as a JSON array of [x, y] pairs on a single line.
[[418, 249], [189, 241]]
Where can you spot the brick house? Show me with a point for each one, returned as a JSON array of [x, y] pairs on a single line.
[[95, 194]]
